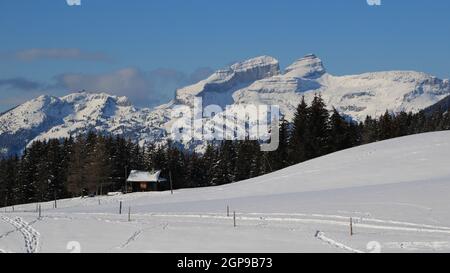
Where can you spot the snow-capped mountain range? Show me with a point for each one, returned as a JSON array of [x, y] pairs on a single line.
[[255, 81]]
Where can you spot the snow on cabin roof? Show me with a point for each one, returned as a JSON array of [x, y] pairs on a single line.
[[141, 176]]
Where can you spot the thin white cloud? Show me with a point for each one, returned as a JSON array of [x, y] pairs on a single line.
[[19, 83], [129, 82], [143, 88]]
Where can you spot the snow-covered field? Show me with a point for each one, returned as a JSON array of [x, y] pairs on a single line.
[[397, 193]]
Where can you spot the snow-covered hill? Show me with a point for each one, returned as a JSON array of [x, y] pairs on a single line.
[[255, 81], [395, 191]]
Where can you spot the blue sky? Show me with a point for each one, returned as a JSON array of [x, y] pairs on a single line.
[[145, 49]]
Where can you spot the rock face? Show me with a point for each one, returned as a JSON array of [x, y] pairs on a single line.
[[355, 96], [255, 81], [220, 86], [309, 67]]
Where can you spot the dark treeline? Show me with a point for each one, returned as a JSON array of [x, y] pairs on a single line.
[[95, 163]]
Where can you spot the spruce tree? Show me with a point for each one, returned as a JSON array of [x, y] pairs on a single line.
[[297, 139], [76, 176], [244, 157], [210, 160], [317, 132], [175, 166], [340, 137], [224, 169], [279, 158], [386, 126]]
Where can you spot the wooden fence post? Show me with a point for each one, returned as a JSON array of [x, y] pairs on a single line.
[[171, 184], [56, 196], [351, 226]]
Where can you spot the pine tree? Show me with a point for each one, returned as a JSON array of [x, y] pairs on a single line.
[[97, 166], [317, 132], [370, 131], [149, 156], [195, 171], [121, 166], [297, 138], [340, 137], [386, 126], [175, 166], [401, 124], [55, 170], [76, 175], [244, 157], [260, 164], [279, 159], [33, 173], [225, 166], [210, 160], [9, 192]]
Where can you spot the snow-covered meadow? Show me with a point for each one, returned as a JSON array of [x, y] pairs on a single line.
[[396, 192]]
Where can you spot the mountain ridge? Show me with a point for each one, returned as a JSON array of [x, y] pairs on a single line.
[[254, 81]]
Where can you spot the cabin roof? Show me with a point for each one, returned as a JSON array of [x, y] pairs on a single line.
[[143, 176]]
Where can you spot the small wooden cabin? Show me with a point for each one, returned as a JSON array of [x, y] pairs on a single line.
[[141, 181]]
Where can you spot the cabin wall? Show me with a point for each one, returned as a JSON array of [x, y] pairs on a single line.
[[144, 186]]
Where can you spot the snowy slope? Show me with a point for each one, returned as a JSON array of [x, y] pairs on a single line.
[[396, 192], [442, 105], [254, 81]]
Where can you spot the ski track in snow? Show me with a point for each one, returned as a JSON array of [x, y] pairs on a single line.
[[30, 235], [367, 223], [357, 219], [295, 217], [6, 234], [321, 236], [414, 246], [131, 239], [395, 225]]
